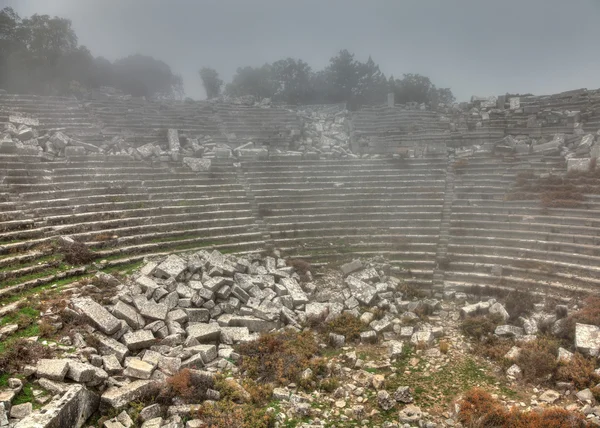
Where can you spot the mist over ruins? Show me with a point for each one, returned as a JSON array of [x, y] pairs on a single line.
[[331, 246]]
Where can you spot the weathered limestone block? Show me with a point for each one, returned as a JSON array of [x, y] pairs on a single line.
[[509, 331], [352, 266], [204, 332], [362, 291], [197, 164], [173, 266], [118, 397], [72, 409], [97, 315], [129, 314], [140, 339], [55, 369], [579, 165], [587, 339]]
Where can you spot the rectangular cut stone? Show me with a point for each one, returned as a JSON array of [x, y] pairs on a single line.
[[298, 295], [146, 283], [207, 352], [363, 292], [231, 335], [214, 283], [367, 275], [579, 165], [97, 315], [138, 369], [118, 397], [55, 369], [71, 409], [198, 314], [111, 364], [350, 267], [172, 266], [81, 372], [109, 346], [587, 339], [129, 315], [137, 340], [240, 293], [197, 164], [204, 332], [150, 309], [252, 323]]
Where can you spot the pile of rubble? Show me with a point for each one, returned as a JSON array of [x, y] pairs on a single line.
[[188, 311], [22, 135], [326, 132]]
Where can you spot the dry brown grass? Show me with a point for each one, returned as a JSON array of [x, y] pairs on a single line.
[[479, 410], [20, 352], [76, 253], [301, 266], [537, 359], [280, 357], [579, 371]]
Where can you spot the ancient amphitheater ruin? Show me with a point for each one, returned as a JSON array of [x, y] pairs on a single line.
[[430, 190], [502, 192]]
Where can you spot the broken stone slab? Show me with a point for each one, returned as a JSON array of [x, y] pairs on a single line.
[[85, 372], [422, 338], [55, 369], [118, 397], [316, 310], [587, 339], [233, 335], [298, 295], [111, 364], [97, 315], [352, 266], [549, 396], [514, 371], [172, 266], [499, 310], [253, 324], [140, 339], [150, 309], [109, 346], [197, 164], [204, 332], [148, 150], [128, 313], [138, 369], [72, 409], [19, 411], [208, 353], [507, 330], [395, 349], [362, 291]]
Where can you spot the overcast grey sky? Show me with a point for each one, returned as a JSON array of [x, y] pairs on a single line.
[[480, 47]]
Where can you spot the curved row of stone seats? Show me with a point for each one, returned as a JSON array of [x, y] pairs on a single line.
[[122, 209], [496, 242], [53, 113], [324, 210], [383, 129], [274, 126]]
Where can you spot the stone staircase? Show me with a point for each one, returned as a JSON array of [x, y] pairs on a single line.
[[441, 257]]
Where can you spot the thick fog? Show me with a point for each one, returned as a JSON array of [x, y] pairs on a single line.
[[472, 46]]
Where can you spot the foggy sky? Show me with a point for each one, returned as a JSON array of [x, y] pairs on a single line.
[[475, 47]]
